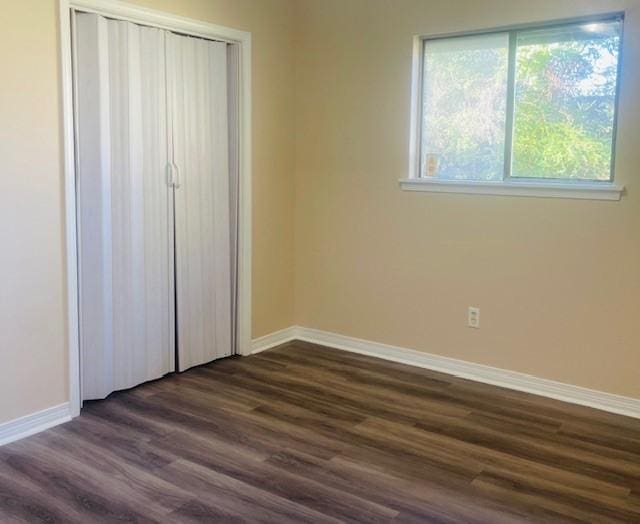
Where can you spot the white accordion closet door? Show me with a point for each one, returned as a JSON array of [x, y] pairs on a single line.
[[197, 73], [124, 205]]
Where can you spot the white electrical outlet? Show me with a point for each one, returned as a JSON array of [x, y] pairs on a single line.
[[473, 317]]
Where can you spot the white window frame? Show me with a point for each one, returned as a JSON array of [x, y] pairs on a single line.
[[509, 186]]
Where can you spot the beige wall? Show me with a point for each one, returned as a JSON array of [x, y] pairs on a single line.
[[33, 363], [558, 281], [32, 321]]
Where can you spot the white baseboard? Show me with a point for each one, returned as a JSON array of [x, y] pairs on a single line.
[[480, 373], [34, 423], [274, 339]]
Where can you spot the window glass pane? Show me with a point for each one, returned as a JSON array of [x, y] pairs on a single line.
[[464, 107], [565, 101]]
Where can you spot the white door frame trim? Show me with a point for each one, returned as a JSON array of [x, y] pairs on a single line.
[[141, 15]]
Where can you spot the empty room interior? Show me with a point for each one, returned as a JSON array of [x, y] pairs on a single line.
[[320, 261]]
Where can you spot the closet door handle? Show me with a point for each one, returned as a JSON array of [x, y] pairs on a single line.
[[170, 174], [176, 180], [173, 175]]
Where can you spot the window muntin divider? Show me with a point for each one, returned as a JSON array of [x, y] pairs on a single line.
[[510, 110]]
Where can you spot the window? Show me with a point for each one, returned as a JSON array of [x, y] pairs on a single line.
[[518, 111]]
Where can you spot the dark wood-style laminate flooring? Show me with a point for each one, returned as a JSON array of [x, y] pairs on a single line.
[[303, 433]]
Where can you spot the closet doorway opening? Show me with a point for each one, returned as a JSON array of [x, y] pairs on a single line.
[[157, 116]]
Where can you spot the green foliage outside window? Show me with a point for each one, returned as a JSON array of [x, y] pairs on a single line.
[[564, 109]]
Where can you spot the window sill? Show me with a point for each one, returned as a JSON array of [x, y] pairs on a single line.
[[583, 191]]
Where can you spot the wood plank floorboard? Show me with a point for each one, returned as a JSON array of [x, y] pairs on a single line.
[[304, 433]]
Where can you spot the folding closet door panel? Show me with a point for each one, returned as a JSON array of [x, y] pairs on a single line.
[[197, 70], [124, 205], [233, 114]]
